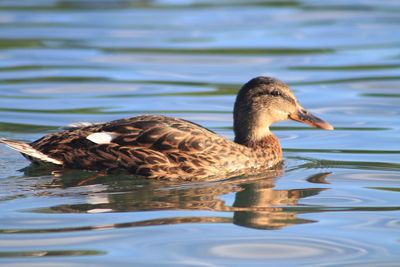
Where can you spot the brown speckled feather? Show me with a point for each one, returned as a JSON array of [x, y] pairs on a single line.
[[156, 147]]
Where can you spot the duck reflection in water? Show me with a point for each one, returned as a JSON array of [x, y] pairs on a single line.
[[256, 203]]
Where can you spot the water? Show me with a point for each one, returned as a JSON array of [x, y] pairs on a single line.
[[336, 203]]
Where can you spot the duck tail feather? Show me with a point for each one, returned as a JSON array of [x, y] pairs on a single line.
[[28, 150]]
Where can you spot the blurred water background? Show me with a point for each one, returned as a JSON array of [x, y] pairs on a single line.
[[337, 202]]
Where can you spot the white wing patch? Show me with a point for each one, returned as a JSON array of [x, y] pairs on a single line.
[[101, 138]]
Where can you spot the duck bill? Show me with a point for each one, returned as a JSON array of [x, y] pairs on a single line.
[[304, 116]]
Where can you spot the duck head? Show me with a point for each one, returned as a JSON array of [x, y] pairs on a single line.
[[263, 101]]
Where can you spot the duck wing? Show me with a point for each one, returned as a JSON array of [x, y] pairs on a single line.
[[149, 145]]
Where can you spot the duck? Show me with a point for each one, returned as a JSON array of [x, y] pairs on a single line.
[[168, 148]]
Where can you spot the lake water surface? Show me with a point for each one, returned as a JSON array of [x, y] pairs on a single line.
[[337, 201]]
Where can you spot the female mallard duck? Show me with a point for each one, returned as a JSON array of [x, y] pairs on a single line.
[[162, 147]]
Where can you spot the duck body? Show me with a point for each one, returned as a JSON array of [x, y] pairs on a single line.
[[163, 147], [157, 147]]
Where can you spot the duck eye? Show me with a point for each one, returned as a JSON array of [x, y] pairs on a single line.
[[275, 93]]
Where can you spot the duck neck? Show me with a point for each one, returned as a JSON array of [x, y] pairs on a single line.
[[259, 140], [251, 131], [267, 151]]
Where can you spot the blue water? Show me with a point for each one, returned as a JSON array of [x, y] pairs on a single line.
[[335, 204]]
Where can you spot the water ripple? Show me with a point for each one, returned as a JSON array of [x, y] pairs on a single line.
[[289, 249]]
